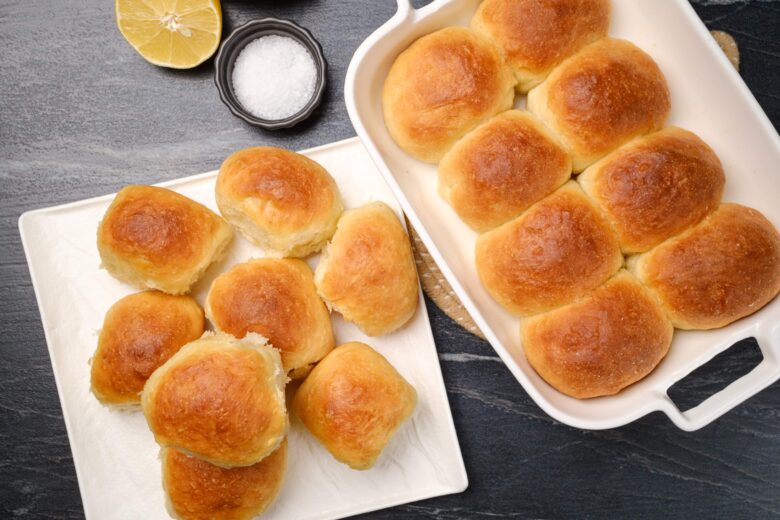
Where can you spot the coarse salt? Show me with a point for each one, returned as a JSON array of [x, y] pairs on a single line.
[[274, 77]]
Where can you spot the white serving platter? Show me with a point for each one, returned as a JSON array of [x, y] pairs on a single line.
[[115, 455], [708, 97]]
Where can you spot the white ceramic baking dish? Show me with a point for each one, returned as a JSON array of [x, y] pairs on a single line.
[[708, 97]]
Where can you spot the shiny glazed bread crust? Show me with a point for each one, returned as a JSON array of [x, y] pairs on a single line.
[[558, 250], [154, 238], [367, 272], [440, 87], [656, 186], [280, 200], [536, 35], [723, 269], [197, 490], [278, 299], [219, 399], [608, 93], [501, 168], [141, 332], [600, 344], [353, 402]]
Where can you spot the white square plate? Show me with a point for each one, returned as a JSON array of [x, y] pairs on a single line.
[[115, 455], [708, 98]]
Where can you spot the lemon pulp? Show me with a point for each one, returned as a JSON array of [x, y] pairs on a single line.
[[171, 33]]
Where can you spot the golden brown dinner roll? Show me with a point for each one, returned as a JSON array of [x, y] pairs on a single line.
[[220, 399], [725, 268], [536, 35], [656, 186], [140, 333], [155, 238], [352, 402], [442, 86], [367, 272], [603, 96], [602, 343], [197, 490], [558, 250], [277, 298], [282, 201], [501, 168]]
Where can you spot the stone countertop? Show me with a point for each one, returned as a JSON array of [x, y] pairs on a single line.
[[81, 114]]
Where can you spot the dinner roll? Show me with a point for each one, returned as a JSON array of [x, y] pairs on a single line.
[[197, 490], [725, 268], [353, 402], [140, 333], [155, 238], [442, 86], [367, 272], [558, 250], [281, 201], [501, 168], [220, 399], [536, 35], [656, 186], [610, 339], [276, 298], [603, 96]]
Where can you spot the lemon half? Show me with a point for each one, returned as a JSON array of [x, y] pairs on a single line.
[[179, 34]]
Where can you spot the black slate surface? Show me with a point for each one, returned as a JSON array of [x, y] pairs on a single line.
[[82, 115]]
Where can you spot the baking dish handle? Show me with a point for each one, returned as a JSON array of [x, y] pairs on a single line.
[[763, 375], [405, 6]]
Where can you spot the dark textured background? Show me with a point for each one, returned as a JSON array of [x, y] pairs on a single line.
[[81, 115]]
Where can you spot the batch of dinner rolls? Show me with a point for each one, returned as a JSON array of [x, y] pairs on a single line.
[[600, 228], [215, 400]]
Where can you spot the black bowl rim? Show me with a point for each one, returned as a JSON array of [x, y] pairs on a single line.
[[250, 31]]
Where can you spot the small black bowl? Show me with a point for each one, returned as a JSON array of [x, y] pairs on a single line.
[[247, 33]]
